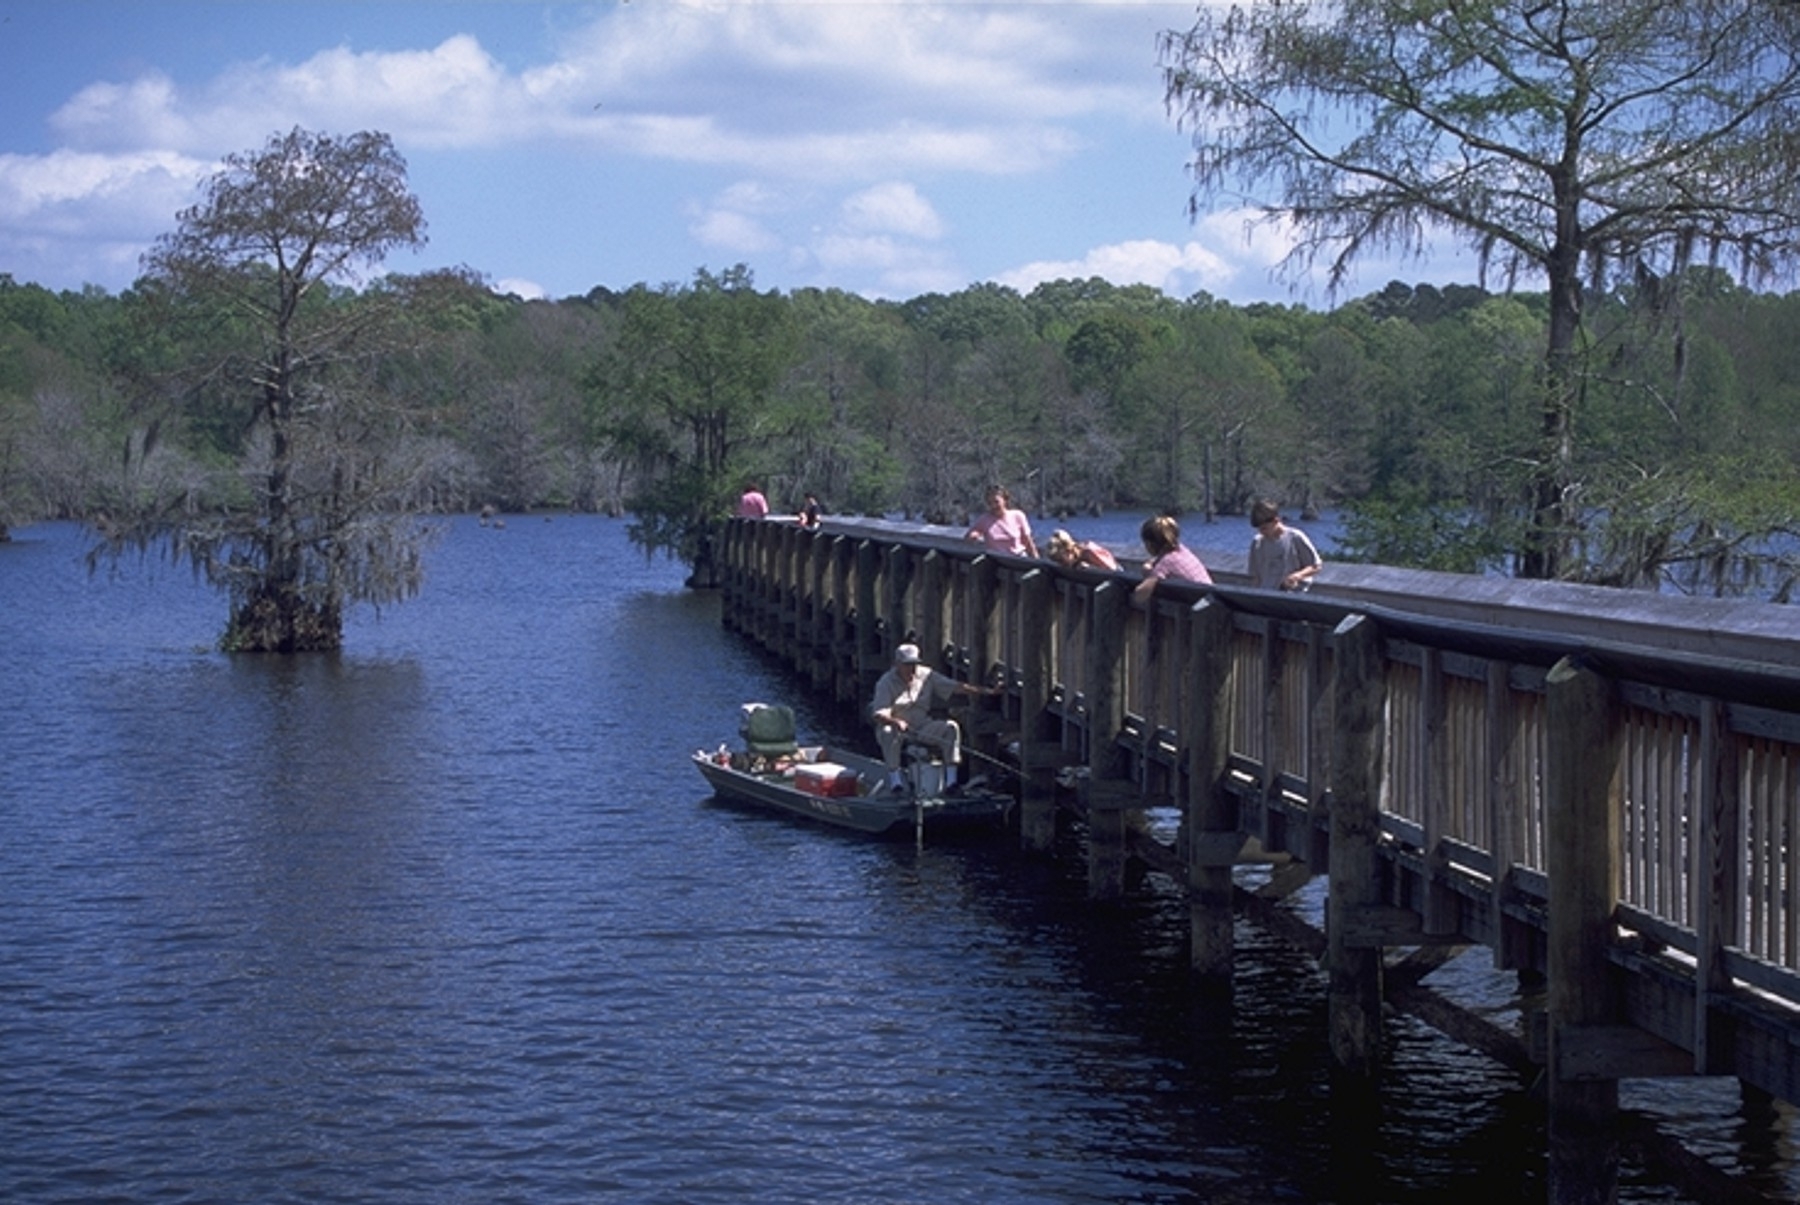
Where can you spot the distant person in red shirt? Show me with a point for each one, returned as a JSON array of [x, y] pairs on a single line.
[[1004, 528]]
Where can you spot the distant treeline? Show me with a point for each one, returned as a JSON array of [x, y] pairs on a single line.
[[1416, 409]]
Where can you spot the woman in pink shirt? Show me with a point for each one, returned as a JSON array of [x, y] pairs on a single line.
[[752, 504], [1004, 528]]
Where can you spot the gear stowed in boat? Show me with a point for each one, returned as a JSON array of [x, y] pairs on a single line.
[[836, 786]]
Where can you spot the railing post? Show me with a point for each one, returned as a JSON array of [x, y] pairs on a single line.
[[984, 592], [845, 652], [767, 545], [897, 613], [1717, 853], [1106, 715], [731, 576], [1506, 818], [818, 638], [1213, 839], [870, 657], [784, 613], [1359, 697], [1584, 800], [928, 607], [1318, 749], [1037, 798], [1270, 827], [1438, 911]]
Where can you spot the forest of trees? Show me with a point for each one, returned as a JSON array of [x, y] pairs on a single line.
[[1633, 424], [1412, 408]]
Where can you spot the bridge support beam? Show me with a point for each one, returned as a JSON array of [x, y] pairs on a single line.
[[1584, 805], [1106, 717], [1353, 993], [1037, 783], [1213, 839]]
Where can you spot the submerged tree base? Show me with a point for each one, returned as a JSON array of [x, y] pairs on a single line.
[[283, 623]]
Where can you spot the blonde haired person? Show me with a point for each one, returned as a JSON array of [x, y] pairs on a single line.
[[1071, 553]]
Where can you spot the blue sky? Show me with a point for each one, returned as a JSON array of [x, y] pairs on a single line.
[[889, 149]]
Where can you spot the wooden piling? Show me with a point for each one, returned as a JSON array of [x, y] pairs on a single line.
[[845, 679], [1106, 717], [816, 636], [1353, 1003], [1719, 873], [1212, 821], [1584, 796], [1037, 786], [871, 658]]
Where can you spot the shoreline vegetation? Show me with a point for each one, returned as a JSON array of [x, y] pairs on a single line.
[[1408, 410]]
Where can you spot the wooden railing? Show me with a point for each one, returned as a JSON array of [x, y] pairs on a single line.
[[1696, 751]]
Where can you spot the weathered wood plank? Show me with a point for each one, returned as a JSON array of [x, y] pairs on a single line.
[[1585, 801], [1359, 702]]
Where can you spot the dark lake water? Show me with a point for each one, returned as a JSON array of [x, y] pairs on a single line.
[[448, 918]]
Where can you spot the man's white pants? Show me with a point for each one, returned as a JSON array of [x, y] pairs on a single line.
[[946, 735]]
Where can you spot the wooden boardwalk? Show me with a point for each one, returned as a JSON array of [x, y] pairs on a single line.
[[1601, 788]]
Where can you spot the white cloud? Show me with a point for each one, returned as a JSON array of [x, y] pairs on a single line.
[[525, 290], [899, 267], [803, 89], [733, 221], [1177, 270], [33, 185], [894, 207], [888, 231], [838, 63], [737, 233], [451, 94]]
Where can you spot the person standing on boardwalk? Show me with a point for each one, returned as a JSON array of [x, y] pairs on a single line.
[[1170, 560], [1281, 557], [752, 504], [1004, 528]]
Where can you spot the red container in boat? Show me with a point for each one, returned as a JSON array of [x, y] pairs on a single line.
[[825, 778]]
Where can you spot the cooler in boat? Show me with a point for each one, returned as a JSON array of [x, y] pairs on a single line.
[[825, 778]]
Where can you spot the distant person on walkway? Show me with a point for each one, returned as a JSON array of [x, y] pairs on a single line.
[[1071, 553], [901, 709], [1169, 558], [809, 511], [752, 504], [1004, 528], [1281, 557]]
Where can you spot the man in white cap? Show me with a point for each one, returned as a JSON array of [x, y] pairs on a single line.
[[902, 707]]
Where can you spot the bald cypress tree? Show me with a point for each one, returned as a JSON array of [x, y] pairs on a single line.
[[1596, 146], [318, 516]]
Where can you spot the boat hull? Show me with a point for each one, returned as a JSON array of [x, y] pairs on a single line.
[[875, 814]]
